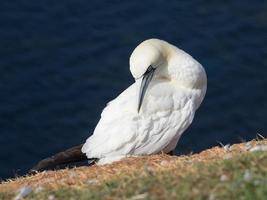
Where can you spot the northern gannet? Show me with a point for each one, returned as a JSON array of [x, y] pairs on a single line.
[[150, 115]]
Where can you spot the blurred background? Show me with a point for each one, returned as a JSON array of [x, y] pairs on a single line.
[[62, 61]]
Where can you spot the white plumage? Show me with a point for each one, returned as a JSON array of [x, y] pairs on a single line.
[[176, 90]]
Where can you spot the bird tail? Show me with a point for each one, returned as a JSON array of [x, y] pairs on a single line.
[[67, 158]]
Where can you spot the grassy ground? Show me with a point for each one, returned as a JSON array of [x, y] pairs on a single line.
[[235, 172]]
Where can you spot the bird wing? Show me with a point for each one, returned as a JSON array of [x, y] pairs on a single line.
[[166, 112], [116, 126], [169, 110]]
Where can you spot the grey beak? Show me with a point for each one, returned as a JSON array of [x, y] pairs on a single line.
[[147, 77]]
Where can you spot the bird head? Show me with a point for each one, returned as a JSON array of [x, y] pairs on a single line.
[[145, 59], [159, 59], [148, 53]]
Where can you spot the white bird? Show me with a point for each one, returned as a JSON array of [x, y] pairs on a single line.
[[150, 116]]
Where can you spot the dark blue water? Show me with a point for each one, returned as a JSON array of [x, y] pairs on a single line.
[[62, 61]]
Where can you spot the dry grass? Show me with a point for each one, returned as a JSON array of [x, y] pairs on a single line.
[[82, 177], [79, 176]]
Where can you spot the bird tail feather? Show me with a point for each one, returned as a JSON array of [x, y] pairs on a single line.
[[67, 158]]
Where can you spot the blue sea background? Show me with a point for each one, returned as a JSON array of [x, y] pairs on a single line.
[[62, 61]]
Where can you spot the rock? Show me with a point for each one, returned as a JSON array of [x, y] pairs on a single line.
[[259, 148], [139, 196], [224, 178], [247, 176], [51, 197], [24, 191], [227, 147]]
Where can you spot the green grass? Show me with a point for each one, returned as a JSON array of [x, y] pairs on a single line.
[[6, 195], [244, 176]]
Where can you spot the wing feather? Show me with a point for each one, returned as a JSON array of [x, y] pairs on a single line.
[[122, 131]]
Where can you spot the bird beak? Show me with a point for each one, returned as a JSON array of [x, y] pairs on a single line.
[[147, 77]]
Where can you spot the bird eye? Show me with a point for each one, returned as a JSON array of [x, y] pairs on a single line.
[[149, 69]]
